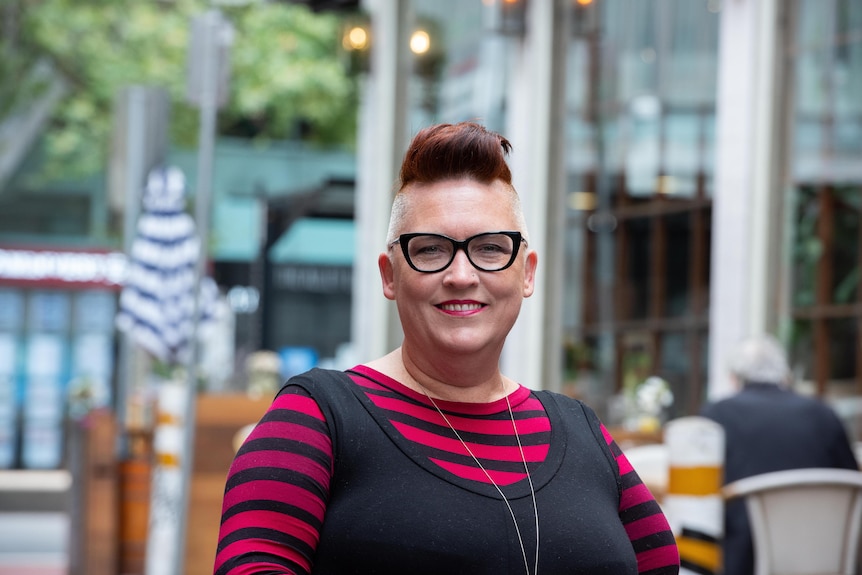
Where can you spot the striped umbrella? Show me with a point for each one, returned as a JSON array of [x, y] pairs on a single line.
[[157, 300]]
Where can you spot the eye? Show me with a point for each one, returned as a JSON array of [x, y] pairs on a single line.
[[429, 249], [429, 246], [491, 244], [490, 248]]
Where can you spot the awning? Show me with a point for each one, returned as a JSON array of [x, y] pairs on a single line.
[[316, 241]]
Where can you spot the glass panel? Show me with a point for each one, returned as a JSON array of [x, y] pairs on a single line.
[[683, 153], [94, 310], [806, 248], [802, 349], [843, 338], [678, 265], [462, 75], [843, 343], [675, 368], [655, 89], [827, 131], [644, 146], [49, 311], [11, 309], [636, 283], [845, 258], [828, 81]]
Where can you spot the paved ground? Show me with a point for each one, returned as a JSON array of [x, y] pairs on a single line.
[[31, 569], [34, 526]]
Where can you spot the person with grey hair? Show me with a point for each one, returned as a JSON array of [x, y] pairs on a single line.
[[770, 427]]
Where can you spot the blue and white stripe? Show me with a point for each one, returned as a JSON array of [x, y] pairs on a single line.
[[157, 301]]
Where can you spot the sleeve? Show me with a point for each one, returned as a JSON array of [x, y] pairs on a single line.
[[276, 491], [643, 519]]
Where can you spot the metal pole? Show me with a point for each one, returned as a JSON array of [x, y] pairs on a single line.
[[133, 100], [211, 29]]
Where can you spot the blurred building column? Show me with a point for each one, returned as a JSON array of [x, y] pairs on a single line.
[[746, 220], [535, 124], [382, 140], [139, 142]]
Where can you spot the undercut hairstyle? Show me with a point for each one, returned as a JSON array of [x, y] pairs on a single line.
[[454, 151], [465, 150]]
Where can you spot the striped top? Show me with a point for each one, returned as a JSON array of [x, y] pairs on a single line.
[[276, 491]]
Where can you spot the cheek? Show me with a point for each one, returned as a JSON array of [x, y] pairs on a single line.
[[507, 299], [414, 290], [407, 284]]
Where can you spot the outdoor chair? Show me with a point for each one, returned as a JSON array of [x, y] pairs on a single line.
[[803, 521]]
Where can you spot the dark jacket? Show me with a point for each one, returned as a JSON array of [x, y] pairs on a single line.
[[770, 428]]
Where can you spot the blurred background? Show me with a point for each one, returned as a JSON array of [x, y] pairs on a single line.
[[691, 173]]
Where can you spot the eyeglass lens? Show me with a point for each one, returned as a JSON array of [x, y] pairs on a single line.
[[487, 252]]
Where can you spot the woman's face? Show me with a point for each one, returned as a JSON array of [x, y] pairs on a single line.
[[459, 309]]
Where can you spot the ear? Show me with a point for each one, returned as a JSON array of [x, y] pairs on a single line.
[[530, 272], [387, 275]]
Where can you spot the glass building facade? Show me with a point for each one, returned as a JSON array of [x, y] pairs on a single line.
[[655, 144]]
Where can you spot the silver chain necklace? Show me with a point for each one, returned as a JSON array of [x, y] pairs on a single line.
[[494, 483]]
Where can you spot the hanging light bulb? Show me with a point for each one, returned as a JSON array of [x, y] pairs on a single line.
[[420, 42], [355, 38]]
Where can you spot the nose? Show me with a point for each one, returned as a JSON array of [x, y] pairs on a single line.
[[460, 271]]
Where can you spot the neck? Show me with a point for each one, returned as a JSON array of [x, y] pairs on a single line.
[[454, 381]]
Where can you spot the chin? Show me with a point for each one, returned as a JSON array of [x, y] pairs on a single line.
[[469, 345]]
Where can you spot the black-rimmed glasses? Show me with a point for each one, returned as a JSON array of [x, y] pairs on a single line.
[[488, 252]]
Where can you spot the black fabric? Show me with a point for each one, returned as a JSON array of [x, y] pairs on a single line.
[[391, 511], [769, 428]]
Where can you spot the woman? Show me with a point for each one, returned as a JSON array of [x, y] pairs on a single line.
[[429, 459]]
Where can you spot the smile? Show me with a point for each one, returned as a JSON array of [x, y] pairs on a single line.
[[461, 307]]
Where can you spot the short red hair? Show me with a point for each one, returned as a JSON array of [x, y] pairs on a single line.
[[456, 151]]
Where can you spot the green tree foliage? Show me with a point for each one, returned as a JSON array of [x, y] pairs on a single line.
[[288, 77]]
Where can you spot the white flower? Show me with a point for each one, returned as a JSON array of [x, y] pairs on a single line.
[[653, 395]]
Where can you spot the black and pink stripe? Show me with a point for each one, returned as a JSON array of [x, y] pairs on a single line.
[[486, 429], [277, 487]]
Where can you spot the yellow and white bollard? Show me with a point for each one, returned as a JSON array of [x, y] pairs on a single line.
[[693, 503], [166, 495]]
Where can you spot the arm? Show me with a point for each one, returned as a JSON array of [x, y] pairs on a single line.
[[276, 492], [644, 520]]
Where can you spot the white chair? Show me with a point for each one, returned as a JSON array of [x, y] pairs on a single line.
[[651, 463], [803, 521]]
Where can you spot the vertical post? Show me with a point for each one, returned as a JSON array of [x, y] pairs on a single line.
[[168, 497], [171, 486], [744, 227], [93, 548], [140, 142], [213, 31], [382, 138], [534, 124], [131, 100], [693, 502], [555, 205]]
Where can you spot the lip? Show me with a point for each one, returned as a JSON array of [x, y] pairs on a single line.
[[460, 307]]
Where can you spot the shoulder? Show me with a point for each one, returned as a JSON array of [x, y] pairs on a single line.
[[581, 420], [713, 408], [743, 399], [317, 381], [331, 389], [565, 402], [575, 412]]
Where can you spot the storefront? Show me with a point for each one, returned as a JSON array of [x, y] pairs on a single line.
[[57, 347]]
